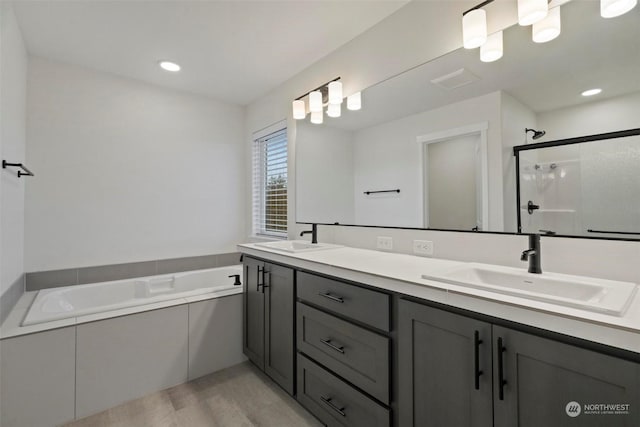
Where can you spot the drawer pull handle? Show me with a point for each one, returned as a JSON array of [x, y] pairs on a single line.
[[329, 403], [331, 297], [338, 348]]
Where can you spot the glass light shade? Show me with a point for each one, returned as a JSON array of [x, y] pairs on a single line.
[[169, 66], [335, 92], [613, 8], [315, 101], [299, 111], [334, 110], [316, 117], [492, 49], [532, 11], [474, 29], [549, 28], [354, 102]]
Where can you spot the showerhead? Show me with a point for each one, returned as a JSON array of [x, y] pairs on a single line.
[[536, 133]]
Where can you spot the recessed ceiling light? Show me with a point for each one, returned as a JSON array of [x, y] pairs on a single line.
[[591, 92], [169, 66]]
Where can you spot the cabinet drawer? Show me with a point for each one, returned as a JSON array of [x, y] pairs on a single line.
[[358, 303], [335, 402], [356, 354]]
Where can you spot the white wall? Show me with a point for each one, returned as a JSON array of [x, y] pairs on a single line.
[[13, 71], [127, 171], [387, 156], [608, 115], [327, 179], [516, 117]]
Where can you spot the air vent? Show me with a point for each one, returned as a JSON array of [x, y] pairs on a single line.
[[456, 79]]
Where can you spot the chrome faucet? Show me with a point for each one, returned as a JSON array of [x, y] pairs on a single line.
[[313, 232], [533, 254]]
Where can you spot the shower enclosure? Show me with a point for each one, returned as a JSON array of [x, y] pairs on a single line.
[[587, 186]]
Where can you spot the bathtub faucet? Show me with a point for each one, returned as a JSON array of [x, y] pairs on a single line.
[[237, 281], [314, 233]]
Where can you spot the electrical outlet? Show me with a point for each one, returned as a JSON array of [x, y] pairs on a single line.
[[423, 247], [385, 243]]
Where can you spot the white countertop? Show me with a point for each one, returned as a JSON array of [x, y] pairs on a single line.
[[402, 274]]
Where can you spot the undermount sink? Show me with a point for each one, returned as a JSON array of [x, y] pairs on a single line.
[[605, 296], [297, 246]]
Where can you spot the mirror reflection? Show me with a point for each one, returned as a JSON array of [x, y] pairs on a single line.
[[443, 133]]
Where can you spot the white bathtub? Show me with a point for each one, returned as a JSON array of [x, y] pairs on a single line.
[[80, 300]]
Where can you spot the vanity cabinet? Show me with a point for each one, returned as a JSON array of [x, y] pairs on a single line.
[[344, 352], [455, 370], [268, 330]]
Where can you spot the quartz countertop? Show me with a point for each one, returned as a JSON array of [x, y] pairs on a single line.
[[403, 274]]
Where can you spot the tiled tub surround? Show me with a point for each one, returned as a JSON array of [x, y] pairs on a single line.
[[402, 274], [68, 369], [106, 273]]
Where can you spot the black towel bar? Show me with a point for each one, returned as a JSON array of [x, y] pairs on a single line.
[[382, 191], [26, 172]]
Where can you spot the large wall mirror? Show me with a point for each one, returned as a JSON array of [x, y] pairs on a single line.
[[433, 146]]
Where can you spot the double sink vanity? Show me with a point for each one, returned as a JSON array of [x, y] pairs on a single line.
[[368, 338]]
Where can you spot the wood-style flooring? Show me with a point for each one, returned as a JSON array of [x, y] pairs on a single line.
[[235, 397]]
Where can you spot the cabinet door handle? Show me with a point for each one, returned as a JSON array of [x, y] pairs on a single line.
[[331, 297], [338, 348], [501, 381], [265, 275], [476, 359], [329, 403], [260, 273]]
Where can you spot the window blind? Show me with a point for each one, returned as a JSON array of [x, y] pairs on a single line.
[[270, 184]]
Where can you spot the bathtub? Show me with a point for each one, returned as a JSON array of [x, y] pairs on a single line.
[[80, 300]]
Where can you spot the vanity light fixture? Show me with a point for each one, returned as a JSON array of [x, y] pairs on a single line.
[[474, 27], [315, 101], [328, 94], [335, 92], [532, 11], [492, 49], [316, 117], [613, 8], [591, 92], [334, 110], [354, 101], [169, 66], [548, 28], [299, 109]]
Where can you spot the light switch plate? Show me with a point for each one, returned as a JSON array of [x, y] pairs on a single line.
[[423, 247], [385, 243]]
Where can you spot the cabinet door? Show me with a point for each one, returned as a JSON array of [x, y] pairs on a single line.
[[444, 370], [253, 339], [548, 383], [279, 324]]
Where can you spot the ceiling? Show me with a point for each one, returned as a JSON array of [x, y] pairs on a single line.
[[234, 51]]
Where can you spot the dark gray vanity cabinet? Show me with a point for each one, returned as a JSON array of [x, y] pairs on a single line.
[[269, 341], [455, 370], [445, 371], [541, 377]]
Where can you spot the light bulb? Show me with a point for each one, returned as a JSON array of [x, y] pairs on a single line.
[[299, 111], [334, 110], [315, 101], [549, 28], [474, 29], [169, 66], [335, 92], [492, 49], [354, 102], [532, 11], [316, 117], [613, 8]]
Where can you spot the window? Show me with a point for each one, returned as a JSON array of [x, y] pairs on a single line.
[[270, 184]]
